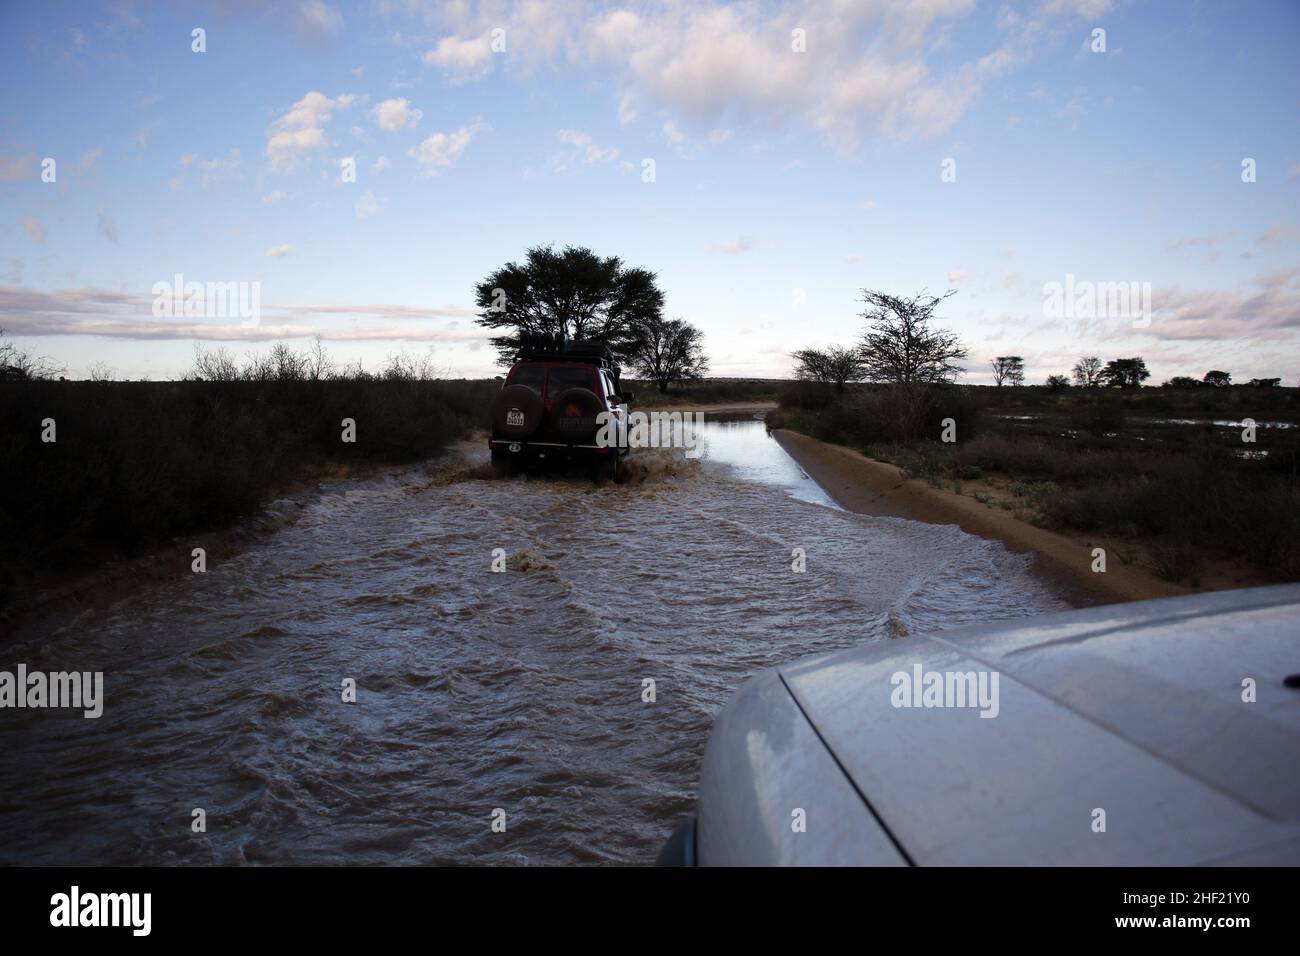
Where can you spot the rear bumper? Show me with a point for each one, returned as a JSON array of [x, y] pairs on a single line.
[[530, 447]]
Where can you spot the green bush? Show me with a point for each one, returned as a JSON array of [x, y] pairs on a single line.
[[880, 414], [1183, 487], [137, 463]]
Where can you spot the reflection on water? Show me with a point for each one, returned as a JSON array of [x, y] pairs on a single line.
[[476, 690], [1218, 422], [750, 453]]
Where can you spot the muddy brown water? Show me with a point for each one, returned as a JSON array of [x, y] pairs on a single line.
[[476, 690]]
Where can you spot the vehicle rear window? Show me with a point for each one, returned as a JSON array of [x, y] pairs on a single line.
[[530, 375], [563, 377]]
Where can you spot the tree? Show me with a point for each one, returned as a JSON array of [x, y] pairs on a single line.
[[286, 365], [835, 366], [1124, 373], [1264, 382], [1057, 383], [1217, 378], [899, 345], [1182, 381], [1087, 371], [1008, 368], [16, 365], [811, 365], [319, 365], [574, 292], [668, 351], [217, 365]]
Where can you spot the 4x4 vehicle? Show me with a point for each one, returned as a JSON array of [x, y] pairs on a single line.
[[1177, 718], [550, 403]]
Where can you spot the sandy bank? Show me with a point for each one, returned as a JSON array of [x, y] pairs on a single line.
[[860, 484]]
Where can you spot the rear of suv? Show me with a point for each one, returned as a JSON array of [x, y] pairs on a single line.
[[552, 405]]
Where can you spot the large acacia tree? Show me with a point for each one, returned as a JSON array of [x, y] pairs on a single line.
[[1008, 368], [835, 366], [668, 350], [1087, 371], [574, 292], [1124, 373], [900, 346]]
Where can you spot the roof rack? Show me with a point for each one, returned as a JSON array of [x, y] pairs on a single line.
[[559, 347]]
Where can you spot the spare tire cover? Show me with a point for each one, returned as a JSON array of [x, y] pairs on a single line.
[[517, 412], [574, 413]]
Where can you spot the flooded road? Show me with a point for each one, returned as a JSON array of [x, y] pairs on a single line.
[[476, 690]]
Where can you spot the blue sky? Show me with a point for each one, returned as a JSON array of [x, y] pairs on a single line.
[[785, 181]]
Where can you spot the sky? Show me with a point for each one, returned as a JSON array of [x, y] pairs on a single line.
[[768, 161]]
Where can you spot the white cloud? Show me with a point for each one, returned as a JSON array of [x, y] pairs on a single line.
[[1279, 231], [301, 131], [278, 252], [687, 144], [440, 151], [465, 59], [274, 197], [627, 108], [219, 170], [91, 158], [585, 148], [958, 275], [366, 206], [317, 20], [853, 257], [216, 170], [123, 315], [396, 114], [1271, 310], [871, 68]]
